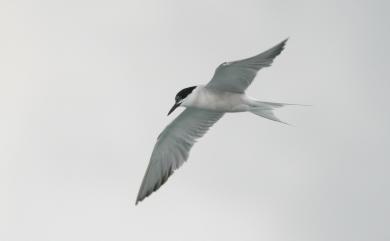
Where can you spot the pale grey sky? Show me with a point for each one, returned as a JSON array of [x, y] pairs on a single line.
[[84, 91]]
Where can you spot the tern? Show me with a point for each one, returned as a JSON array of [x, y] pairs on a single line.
[[204, 106]]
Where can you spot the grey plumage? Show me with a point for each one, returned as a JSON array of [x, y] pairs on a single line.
[[205, 106], [236, 76], [173, 147]]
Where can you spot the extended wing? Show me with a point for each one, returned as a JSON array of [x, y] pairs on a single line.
[[173, 147], [236, 76]]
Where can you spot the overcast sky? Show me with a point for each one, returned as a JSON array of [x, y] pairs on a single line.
[[85, 87]]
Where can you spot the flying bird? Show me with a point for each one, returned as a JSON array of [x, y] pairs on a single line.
[[205, 105]]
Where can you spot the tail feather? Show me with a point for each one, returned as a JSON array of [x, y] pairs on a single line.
[[265, 109]]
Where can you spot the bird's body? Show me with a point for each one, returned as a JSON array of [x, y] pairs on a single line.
[[213, 99], [205, 105]]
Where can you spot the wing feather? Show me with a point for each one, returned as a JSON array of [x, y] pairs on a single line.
[[173, 147], [236, 76]]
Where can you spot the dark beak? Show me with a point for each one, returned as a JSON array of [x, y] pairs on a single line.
[[173, 107]]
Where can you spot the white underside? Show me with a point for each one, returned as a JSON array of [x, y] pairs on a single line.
[[217, 100]]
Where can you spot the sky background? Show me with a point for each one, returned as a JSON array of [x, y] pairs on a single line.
[[85, 87]]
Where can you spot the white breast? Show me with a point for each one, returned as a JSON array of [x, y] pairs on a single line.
[[216, 100]]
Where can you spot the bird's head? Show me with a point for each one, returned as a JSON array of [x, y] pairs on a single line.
[[181, 96]]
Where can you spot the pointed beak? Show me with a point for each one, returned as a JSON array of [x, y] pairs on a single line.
[[173, 107]]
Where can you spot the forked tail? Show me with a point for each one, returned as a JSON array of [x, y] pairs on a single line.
[[266, 110]]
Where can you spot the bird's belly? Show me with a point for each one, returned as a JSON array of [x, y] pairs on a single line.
[[225, 102]]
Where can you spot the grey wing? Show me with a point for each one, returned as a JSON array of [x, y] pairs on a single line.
[[236, 76], [173, 147]]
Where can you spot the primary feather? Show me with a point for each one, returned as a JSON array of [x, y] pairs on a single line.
[[173, 147], [236, 76]]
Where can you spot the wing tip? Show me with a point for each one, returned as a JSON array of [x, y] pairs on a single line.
[[140, 197], [144, 193], [276, 50], [283, 42], [280, 46], [139, 200]]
